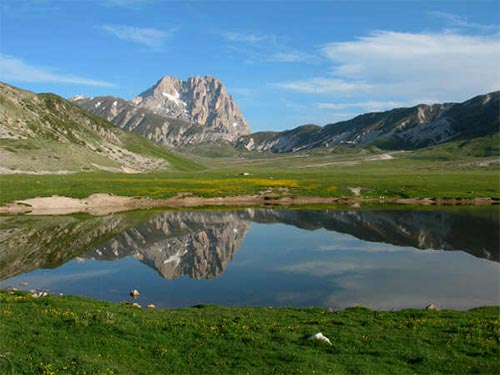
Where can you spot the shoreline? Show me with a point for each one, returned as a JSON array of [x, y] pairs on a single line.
[[105, 204]]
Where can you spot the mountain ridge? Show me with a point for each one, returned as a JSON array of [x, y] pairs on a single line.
[[173, 112], [400, 128]]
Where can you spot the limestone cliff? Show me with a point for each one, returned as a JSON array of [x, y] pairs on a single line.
[[175, 112]]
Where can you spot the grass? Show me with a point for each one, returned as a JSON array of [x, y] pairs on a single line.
[[75, 335], [460, 169], [302, 175]]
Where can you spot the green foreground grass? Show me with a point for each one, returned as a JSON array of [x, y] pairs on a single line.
[[74, 335], [297, 175]]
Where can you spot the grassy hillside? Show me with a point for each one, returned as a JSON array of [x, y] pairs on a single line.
[[71, 335], [46, 134]]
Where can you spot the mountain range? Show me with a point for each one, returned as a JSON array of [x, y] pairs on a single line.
[[175, 112], [199, 111], [44, 133], [402, 128]]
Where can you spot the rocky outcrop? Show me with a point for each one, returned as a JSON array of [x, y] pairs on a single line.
[[175, 112], [401, 128]]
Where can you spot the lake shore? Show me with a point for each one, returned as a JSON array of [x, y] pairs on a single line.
[[69, 335], [105, 204]]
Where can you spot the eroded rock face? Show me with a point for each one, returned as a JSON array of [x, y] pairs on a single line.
[[175, 112], [397, 129], [200, 100]]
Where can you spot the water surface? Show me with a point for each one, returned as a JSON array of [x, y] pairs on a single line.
[[381, 258]]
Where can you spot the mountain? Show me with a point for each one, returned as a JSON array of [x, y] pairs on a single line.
[[401, 128], [175, 112], [44, 133]]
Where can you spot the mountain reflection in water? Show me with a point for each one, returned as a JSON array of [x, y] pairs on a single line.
[[202, 244]]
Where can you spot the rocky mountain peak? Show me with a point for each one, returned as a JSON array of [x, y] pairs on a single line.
[[201, 100], [77, 97]]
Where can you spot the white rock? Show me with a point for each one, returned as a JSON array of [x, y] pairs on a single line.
[[431, 307], [320, 336], [134, 293]]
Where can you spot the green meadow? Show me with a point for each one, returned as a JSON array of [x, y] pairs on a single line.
[[75, 335], [413, 174]]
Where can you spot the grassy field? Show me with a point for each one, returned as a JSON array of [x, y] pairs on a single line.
[[74, 335], [407, 175]]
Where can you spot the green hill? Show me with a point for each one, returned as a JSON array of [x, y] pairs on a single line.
[[46, 134]]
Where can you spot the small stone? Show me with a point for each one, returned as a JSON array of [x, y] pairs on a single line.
[[135, 304], [23, 284], [14, 289], [431, 307], [151, 306], [134, 293], [320, 336], [60, 294]]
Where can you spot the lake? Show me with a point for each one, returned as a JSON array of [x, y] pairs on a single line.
[[382, 257]]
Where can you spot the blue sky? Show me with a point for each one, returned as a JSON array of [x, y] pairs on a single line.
[[286, 63]]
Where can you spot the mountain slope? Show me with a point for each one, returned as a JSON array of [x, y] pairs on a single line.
[[401, 128], [46, 134], [175, 112]]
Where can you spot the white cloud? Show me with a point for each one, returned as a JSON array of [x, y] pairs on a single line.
[[292, 56], [13, 69], [373, 105], [321, 85], [264, 48], [147, 36], [251, 38], [461, 21], [385, 64]]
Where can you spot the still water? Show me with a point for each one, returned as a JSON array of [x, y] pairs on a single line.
[[384, 258]]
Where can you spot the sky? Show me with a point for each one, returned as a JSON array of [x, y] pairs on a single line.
[[286, 63]]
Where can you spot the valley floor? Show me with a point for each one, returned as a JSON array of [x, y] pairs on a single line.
[[280, 177], [74, 335], [450, 173]]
